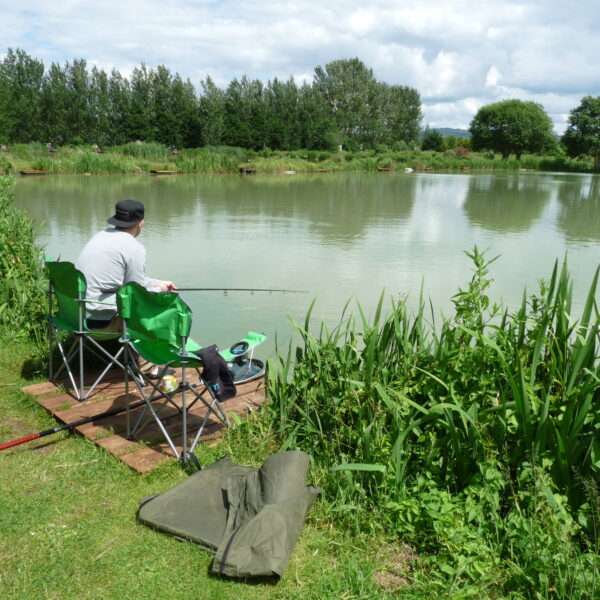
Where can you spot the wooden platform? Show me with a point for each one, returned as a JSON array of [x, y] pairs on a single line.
[[149, 449], [33, 172]]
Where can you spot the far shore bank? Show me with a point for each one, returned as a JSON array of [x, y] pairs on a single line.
[[140, 157]]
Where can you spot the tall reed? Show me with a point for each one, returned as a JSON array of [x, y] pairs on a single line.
[[389, 398]]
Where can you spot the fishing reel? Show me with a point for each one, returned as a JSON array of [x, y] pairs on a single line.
[[239, 350]]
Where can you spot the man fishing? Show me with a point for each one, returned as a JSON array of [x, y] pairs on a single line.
[[110, 259]]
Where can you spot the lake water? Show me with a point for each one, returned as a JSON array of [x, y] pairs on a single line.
[[337, 236]]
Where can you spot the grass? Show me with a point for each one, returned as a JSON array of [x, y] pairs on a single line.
[[69, 527], [139, 157]]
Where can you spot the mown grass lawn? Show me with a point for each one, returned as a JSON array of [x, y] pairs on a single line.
[[69, 529]]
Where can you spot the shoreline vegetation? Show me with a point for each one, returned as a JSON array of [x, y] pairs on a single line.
[[143, 157], [459, 459]]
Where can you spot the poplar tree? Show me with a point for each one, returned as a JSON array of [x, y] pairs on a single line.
[[21, 81], [211, 114]]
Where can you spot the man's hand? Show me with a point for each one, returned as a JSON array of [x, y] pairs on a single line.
[[167, 286]]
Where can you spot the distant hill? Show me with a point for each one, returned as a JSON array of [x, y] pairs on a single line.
[[459, 133]]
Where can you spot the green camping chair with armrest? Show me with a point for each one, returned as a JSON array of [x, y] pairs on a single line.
[[67, 314], [156, 326]]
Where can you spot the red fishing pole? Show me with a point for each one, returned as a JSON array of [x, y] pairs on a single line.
[[35, 436]]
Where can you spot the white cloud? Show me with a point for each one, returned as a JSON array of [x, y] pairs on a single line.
[[459, 54]]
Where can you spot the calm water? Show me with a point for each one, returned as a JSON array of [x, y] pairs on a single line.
[[335, 235]]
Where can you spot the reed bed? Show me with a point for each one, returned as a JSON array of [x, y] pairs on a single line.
[[208, 162], [476, 436], [88, 162], [397, 397], [146, 151], [137, 157]]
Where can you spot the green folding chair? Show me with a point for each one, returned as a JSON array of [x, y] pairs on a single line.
[[156, 326], [67, 314]]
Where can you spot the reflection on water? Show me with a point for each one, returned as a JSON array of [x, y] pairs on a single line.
[[579, 214], [336, 235], [342, 207], [506, 203]]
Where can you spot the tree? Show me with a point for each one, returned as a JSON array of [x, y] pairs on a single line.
[[119, 99], [139, 117], [582, 135], [400, 113], [164, 123], [349, 87], [55, 105], [21, 79], [512, 126], [318, 130], [432, 140], [185, 108], [78, 87], [99, 131], [283, 122], [245, 122], [211, 110]]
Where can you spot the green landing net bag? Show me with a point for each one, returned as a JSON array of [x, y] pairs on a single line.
[[250, 518]]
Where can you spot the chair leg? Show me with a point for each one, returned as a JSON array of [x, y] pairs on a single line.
[[66, 359], [50, 352], [214, 407], [78, 348], [154, 395], [81, 396], [184, 414], [111, 361]]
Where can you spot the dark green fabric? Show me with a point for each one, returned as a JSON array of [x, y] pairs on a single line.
[[70, 288], [249, 517], [157, 324]]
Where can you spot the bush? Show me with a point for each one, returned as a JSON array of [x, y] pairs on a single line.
[[22, 279], [351, 144], [400, 146], [6, 167], [432, 140]]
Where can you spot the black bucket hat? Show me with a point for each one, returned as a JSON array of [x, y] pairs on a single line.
[[127, 213]]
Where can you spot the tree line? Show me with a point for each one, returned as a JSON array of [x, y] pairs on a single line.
[[518, 126], [72, 104]]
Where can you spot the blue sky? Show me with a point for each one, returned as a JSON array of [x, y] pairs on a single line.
[[459, 54]]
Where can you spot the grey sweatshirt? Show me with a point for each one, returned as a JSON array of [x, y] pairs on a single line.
[[110, 259]]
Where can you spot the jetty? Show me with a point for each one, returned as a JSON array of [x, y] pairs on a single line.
[[33, 172], [149, 449]]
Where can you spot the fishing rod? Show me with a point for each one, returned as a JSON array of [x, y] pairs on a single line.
[[225, 290], [35, 436], [228, 289]]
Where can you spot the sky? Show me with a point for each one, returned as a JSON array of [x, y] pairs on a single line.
[[459, 54]]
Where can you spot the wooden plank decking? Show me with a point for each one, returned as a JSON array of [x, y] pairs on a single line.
[[149, 449], [33, 172]]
